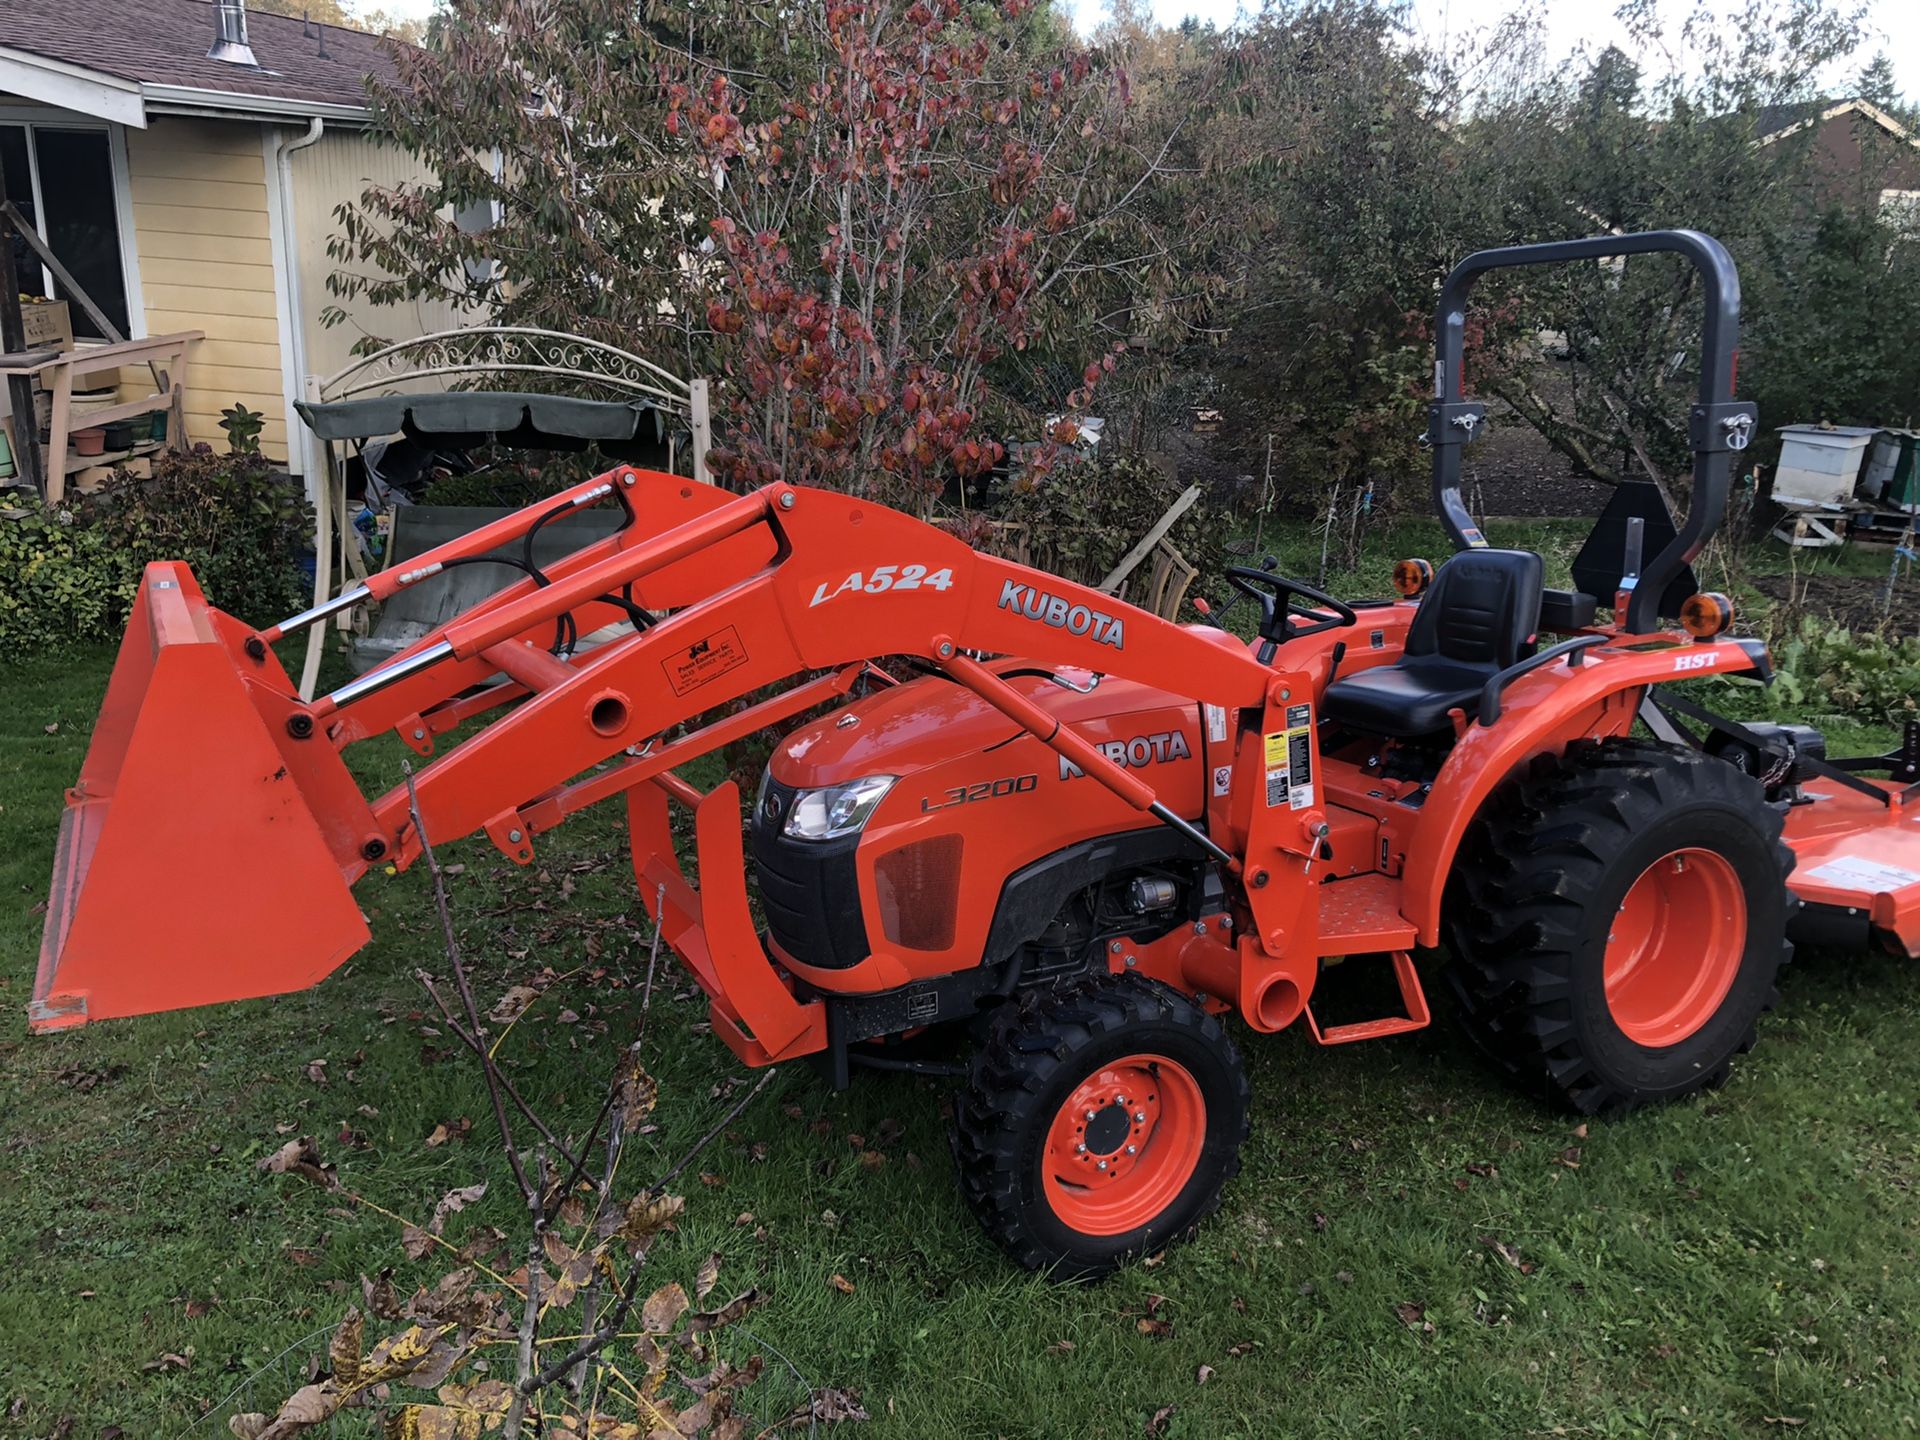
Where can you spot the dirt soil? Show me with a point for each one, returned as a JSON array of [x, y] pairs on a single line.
[[1855, 601]]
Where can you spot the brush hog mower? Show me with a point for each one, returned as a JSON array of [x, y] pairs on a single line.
[[1085, 838]]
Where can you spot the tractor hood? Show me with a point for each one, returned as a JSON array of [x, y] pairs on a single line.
[[906, 728]]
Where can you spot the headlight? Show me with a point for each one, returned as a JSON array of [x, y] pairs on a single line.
[[835, 810]]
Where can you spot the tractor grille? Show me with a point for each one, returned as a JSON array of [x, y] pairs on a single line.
[[809, 889], [918, 889]]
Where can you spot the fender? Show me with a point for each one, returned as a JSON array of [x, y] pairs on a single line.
[[1544, 711]]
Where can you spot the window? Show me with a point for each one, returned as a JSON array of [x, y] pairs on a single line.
[[62, 181]]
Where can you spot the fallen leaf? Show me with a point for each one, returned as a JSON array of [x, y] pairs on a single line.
[[707, 1276], [439, 1137], [300, 1157], [199, 1309], [168, 1361], [841, 1283], [1414, 1316], [1569, 1157], [1159, 1329], [831, 1406], [453, 1202], [1580, 1132], [707, 1177], [1203, 1374], [415, 1242], [53, 729], [568, 1017], [344, 1353], [648, 1214], [1158, 1424], [1244, 1347], [317, 1071], [1061, 1347], [663, 1309], [512, 1005]]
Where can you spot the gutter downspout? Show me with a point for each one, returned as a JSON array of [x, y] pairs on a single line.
[[318, 490]]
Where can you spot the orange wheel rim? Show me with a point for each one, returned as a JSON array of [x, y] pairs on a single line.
[[1675, 947], [1124, 1144]]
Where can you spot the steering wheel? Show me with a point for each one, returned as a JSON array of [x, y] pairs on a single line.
[[1280, 618]]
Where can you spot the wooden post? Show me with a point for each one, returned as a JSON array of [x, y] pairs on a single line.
[[700, 419], [13, 341], [1152, 538]]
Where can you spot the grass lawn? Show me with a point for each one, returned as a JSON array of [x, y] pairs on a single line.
[[1409, 1250]]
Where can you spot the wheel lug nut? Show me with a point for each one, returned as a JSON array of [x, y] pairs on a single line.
[[1081, 1147], [1103, 1164], [1133, 1149], [1139, 1117], [1090, 1114]]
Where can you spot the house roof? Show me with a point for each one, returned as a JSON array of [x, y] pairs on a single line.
[[158, 49], [1776, 122]]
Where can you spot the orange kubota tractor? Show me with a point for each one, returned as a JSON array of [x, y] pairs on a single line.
[[1086, 833]]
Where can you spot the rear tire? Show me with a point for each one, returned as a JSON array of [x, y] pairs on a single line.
[[1063, 1175], [1618, 920]]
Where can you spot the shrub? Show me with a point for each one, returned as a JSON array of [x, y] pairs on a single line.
[[72, 574], [58, 581], [1822, 670], [1083, 517]]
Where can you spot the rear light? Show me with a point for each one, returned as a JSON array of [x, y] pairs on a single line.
[[1411, 577], [1706, 615]]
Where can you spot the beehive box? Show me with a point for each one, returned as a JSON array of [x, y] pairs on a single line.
[[1819, 464]]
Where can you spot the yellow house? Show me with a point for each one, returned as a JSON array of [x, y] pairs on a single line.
[[183, 160]]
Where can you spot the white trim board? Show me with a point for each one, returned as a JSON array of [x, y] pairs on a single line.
[[88, 92]]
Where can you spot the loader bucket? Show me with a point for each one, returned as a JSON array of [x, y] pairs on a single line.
[[191, 867]]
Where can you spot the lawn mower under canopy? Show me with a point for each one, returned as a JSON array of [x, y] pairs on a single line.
[[1081, 839]]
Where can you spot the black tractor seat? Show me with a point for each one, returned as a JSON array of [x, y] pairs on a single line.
[[1478, 617]]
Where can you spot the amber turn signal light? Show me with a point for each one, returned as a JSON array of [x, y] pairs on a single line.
[[1706, 614], [1411, 577]]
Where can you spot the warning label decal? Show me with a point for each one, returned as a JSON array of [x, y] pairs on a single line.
[[1857, 872], [704, 660], [1289, 760]]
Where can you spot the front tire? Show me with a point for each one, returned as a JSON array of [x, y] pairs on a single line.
[[1618, 922], [1098, 1123]]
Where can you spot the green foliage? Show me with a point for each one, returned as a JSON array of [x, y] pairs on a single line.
[[1823, 670], [58, 589], [74, 573], [1085, 516], [243, 427]]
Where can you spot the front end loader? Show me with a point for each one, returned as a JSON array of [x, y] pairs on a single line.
[[1079, 836]]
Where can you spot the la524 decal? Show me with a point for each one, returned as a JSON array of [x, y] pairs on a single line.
[[882, 579]]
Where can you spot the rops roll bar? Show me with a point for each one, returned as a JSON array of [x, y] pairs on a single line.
[[1717, 425]]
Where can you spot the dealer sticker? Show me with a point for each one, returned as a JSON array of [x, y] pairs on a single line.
[[704, 660]]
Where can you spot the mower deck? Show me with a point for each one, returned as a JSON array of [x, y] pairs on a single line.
[[1858, 855]]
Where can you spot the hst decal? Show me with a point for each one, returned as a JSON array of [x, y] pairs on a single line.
[[1062, 614], [1696, 660]]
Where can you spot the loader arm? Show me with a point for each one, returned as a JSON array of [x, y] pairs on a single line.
[[730, 595]]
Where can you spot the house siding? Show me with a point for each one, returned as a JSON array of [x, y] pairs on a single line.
[[205, 253], [335, 171]]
